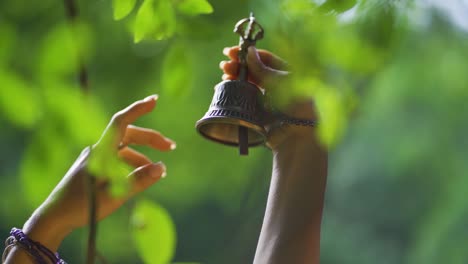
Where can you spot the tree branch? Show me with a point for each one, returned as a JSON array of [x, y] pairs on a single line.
[[71, 11]]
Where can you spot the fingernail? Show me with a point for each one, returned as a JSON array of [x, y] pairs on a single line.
[[153, 97], [221, 64], [164, 173], [173, 146]]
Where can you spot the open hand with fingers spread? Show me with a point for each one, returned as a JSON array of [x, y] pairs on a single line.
[[66, 208]]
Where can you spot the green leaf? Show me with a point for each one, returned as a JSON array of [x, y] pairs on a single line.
[[194, 7], [63, 49], [155, 19], [122, 8], [144, 20], [18, 102], [338, 5], [67, 105], [7, 45], [176, 73], [103, 163], [153, 232], [44, 162], [332, 109]]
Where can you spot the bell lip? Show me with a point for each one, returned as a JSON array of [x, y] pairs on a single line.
[[259, 129]]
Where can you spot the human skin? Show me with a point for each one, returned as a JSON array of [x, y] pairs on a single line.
[[66, 208], [291, 227]]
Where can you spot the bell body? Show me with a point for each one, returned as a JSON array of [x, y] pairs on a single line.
[[236, 105]]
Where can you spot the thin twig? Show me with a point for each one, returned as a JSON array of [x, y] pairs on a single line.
[[92, 232], [71, 10]]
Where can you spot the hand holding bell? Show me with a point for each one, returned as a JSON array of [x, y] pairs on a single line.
[[235, 116], [238, 114]]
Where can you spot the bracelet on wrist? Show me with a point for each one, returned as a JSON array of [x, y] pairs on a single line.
[[287, 120], [36, 250]]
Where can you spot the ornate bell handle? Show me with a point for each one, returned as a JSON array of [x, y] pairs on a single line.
[[250, 31]]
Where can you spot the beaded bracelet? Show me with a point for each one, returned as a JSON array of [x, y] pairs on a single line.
[[35, 249], [285, 120]]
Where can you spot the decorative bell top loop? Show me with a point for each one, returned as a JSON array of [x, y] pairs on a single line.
[[235, 116], [250, 31]]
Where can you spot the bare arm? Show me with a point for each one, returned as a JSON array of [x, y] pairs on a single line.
[[66, 208], [291, 226]]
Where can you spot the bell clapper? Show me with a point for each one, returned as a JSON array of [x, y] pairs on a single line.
[[236, 113], [249, 34], [243, 140]]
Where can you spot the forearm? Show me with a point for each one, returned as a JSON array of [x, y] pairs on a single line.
[[47, 226], [42, 230], [291, 227]]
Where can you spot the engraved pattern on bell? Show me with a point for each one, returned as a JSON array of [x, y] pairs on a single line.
[[235, 114], [231, 95], [235, 103]]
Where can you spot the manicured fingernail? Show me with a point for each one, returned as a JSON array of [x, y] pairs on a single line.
[[226, 51], [221, 64], [163, 167], [153, 97], [173, 146]]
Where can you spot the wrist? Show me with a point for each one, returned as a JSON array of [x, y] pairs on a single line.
[[296, 123], [45, 229]]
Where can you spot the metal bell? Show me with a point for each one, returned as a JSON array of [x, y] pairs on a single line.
[[235, 116]]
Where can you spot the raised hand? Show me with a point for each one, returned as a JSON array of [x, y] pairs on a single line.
[[268, 71], [66, 208], [265, 68]]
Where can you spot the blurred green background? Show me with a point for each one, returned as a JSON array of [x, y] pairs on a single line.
[[390, 79]]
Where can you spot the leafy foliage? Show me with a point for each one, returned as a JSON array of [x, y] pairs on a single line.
[[388, 77], [194, 7], [176, 74], [122, 8], [24, 114], [157, 19], [153, 232]]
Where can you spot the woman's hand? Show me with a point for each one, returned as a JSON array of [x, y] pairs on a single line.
[[265, 69], [268, 71], [67, 206], [291, 226]]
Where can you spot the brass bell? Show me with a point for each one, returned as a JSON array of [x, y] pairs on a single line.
[[236, 113]]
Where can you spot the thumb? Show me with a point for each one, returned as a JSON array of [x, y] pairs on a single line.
[[255, 64], [145, 176], [260, 73]]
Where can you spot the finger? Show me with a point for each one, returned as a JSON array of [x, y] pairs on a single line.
[[232, 53], [229, 77], [265, 57], [130, 114], [145, 176], [139, 180], [229, 67], [133, 157], [261, 74], [148, 137]]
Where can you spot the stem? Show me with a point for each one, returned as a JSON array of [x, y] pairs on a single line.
[[92, 232], [71, 10]]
